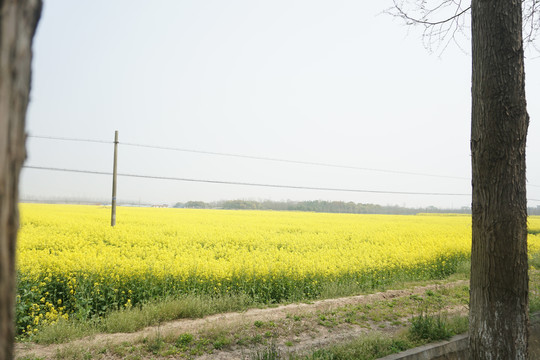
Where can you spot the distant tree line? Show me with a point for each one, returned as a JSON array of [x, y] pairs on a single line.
[[318, 206]]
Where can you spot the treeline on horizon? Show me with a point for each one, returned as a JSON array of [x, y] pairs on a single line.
[[312, 206], [317, 206]]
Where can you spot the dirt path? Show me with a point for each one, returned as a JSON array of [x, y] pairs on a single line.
[[293, 328]]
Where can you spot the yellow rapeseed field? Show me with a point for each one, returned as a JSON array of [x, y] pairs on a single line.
[[72, 263]]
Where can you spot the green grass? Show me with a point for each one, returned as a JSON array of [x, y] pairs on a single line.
[[534, 291], [429, 328], [534, 261], [372, 346], [375, 345], [197, 306], [152, 313]]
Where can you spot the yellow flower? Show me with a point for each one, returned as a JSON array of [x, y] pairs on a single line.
[[181, 250]]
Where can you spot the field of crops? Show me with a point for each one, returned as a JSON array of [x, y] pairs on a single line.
[[72, 263]]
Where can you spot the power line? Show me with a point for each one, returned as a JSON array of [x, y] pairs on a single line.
[[252, 157], [245, 183], [78, 202], [57, 201], [69, 139], [313, 163]]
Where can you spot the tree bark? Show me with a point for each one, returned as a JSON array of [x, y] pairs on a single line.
[[18, 21], [499, 270]]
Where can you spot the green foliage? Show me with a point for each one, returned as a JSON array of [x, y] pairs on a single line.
[[240, 205], [194, 205], [317, 206]]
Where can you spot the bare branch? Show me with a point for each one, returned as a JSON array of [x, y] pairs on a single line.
[[444, 21], [531, 21], [425, 22]]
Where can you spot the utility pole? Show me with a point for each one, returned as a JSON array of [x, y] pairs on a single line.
[[113, 205]]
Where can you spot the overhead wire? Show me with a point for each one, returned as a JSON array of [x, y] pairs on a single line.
[[302, 162], [70, 139], [244, 156], [253, 157], [245, 183]]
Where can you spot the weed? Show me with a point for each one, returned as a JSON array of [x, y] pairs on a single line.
[[73, 353], [372, 346], [184, 340], [271, 352], [221, 342], [257, 339], [154, 344], [430, 328]]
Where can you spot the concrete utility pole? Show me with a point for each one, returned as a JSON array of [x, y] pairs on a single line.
[[113, 206]]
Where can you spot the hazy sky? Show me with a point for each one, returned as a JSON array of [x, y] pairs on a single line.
[[317, 81]]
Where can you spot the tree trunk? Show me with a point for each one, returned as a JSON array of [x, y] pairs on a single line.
[[499, 278], [18, 20]]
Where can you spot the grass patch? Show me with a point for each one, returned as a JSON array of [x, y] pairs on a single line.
[[331, 290], [433, 328], [375, 345], [372, 346], [534, 260], [64, 331], [73, 353], [172, 309], [151, 313], [463, 271], [534, 290], [270, 352]]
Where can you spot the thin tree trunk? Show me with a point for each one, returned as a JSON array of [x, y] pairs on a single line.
[[18, 20], [499, 270]]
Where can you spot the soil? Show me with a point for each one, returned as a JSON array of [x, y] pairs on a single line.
[[308, 334]]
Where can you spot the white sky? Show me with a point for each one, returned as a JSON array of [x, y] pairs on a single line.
[[319, 81]]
